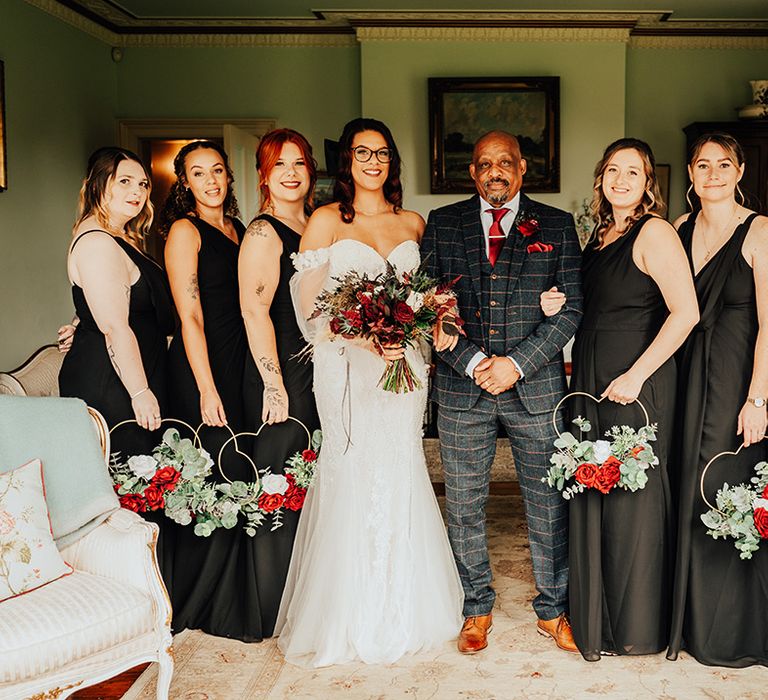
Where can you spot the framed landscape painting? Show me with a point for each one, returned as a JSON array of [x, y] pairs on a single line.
[[463, 109]]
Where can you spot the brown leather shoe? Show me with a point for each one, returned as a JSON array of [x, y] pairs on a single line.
[[560, 630], [474, 634]]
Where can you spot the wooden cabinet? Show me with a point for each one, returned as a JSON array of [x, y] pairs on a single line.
[[753, 137]]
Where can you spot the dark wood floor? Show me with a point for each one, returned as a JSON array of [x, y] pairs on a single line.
[[113, 689]]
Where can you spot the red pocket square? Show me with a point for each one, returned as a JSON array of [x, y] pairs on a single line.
[[540, 247]]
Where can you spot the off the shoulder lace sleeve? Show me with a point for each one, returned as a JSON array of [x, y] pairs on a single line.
[[310, 258]]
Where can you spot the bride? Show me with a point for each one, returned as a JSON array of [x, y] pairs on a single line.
[[372, 575]]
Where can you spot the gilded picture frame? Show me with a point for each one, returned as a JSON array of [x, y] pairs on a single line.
[[463, 109]]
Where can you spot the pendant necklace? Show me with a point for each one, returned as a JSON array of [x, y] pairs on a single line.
[[715, 245]]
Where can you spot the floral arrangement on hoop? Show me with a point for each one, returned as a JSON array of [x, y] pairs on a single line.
[[174, 479], [619, 462], [741, 512], [390, 310]]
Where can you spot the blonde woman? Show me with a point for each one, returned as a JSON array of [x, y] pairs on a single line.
[[639, 306], [720, 601], [117, 359]]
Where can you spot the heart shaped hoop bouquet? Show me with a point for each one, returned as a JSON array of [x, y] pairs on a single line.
[[175, 479], [621, 461], [740, 512]]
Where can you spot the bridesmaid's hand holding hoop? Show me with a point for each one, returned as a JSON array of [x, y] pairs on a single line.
[[146, 409], [752, 423], [624, 389], [212, 410], [275, 404]]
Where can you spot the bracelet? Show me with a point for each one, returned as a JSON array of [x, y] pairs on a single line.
[[139, 393]]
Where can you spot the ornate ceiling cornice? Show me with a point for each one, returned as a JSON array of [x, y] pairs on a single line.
[[116, 27]]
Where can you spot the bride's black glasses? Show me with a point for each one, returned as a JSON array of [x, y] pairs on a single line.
[[363, 154]]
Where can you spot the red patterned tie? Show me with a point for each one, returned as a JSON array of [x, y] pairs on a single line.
[[496, 236]]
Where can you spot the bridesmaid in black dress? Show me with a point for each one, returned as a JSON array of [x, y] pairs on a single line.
[[720, 605], [277, 383], [117, 359], [639, 305], [213, 580]]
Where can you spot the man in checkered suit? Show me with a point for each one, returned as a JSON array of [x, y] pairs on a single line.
[[506, 249]]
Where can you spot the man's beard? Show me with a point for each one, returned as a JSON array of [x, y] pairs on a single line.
[[496, 196]]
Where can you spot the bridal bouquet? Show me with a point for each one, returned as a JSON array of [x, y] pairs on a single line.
[[174, 479], [619, 462], [741, 513], [390, 310]]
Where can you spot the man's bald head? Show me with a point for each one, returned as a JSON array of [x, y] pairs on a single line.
[[497, 167]]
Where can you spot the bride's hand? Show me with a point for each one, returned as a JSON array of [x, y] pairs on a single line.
[[551, 301], [441, 339], [392, 352]]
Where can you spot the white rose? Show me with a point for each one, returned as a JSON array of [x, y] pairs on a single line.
[[415, 300], [602, 451], [274, 483], [143, 466], [207, 455], [760, 503]]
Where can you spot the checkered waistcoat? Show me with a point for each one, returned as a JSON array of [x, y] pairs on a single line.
[[501, 305]]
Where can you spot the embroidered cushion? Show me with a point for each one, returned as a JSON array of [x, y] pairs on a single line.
[[28, 556]]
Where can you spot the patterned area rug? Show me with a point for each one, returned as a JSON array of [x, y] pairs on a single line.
[[518, 664]]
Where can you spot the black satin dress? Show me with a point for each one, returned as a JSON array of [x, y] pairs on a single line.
[[87, 371], [720, 609], [620, 543], [276, 443], [214, 581]]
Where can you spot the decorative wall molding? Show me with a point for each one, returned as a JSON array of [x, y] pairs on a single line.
[[480, 34], [113, 25]]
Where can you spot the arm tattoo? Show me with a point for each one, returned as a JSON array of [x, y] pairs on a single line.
[[258, 228], [259, 290], [193, 288], [111, 353], [270, 365]]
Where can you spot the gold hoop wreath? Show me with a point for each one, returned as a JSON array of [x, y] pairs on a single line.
[[597, 401], [709, 464]]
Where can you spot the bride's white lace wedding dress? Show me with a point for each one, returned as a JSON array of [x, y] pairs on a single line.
[[372, 575]]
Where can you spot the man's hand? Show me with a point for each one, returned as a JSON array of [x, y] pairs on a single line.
[[496, 374]]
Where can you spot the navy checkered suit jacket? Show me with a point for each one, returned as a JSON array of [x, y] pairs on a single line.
[[453, 245]]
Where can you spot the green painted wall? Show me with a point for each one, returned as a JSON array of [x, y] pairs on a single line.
[[312, 90], [667, 89], [60, 101], [394, 78]]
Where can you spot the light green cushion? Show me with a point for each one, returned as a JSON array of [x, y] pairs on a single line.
[[61, 433]]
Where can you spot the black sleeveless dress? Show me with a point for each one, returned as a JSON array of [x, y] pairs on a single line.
[[620, 543], [87, 372], [213, 581], [272, 549], [720, 605]]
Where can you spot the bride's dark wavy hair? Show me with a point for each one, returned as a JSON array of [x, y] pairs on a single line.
[[344, 189], [181, 201]]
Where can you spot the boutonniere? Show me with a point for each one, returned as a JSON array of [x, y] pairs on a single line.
[[540, 247], [528, 226]]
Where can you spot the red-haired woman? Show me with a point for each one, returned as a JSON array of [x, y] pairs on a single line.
[[277, 383]]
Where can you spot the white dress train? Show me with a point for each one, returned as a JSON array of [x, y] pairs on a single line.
[[372, 575]]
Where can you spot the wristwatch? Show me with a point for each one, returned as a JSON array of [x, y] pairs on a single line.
[[758, 401]]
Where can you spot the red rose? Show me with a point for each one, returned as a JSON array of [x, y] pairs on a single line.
[[153, 495], [269, 502], [540, 247], [134, 502], [761, 522], [528, 227], [402, 312], [167, 478], [309, 455], [765, 491], [335, 326], [586, 474], [608, 475], [353, 318], [294, 498]]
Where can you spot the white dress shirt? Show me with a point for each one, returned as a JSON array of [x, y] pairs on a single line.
[[486, 219]]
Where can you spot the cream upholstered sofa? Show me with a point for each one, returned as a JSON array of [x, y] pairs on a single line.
[[38, 376], [109, 615]]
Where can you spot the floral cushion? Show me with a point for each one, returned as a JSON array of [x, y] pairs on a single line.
[[28, 556]]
